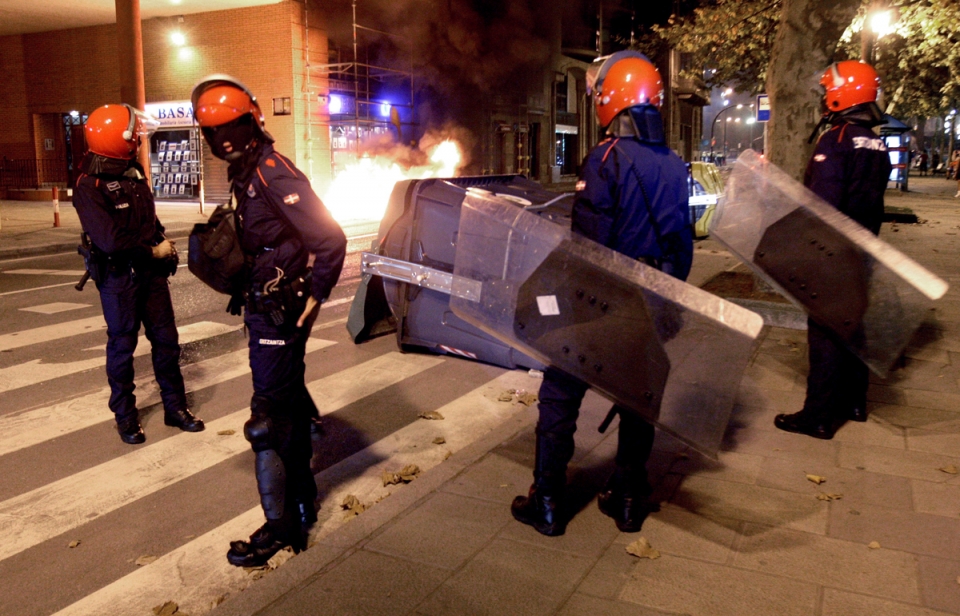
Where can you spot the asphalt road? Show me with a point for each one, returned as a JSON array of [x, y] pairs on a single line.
[[87, 522]]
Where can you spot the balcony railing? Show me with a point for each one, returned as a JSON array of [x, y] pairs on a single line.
[[32, 173]]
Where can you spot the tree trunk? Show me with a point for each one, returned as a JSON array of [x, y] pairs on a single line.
[[805, 45]]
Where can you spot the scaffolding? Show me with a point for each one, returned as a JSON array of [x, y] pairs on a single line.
[[358, 100]]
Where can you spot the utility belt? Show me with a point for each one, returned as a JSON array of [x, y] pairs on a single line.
[[99, 264], [283, 298]]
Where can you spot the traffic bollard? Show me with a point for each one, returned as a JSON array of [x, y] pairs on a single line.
[[56, 206]]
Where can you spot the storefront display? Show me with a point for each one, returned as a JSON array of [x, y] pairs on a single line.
[[176, 168]]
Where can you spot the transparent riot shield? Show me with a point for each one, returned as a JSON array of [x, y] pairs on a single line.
[[665, 349], [872, 296]]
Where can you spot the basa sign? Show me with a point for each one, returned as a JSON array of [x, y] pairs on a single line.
[[172, 114]]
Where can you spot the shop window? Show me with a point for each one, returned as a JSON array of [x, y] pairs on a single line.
[[175, 164]]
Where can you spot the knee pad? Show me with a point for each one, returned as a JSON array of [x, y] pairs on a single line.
[[271, 483], [259, 431]]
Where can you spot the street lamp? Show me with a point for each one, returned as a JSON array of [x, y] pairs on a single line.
[[876, 23], [713, 128]]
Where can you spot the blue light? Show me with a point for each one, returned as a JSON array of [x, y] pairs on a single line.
[[336, 104], [385, 109]]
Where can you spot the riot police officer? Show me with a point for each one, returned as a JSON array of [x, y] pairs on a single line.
[[631, 197], [849, 170], [281, 223], [130, 260]]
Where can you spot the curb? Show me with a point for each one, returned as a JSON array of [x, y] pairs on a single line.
[[349, 538], [37, 250]]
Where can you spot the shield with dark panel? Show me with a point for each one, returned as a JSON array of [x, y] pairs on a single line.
[[872, 296], [670, 352]]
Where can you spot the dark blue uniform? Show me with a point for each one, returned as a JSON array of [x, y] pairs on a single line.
[[118, 213], [282, 223], [849, 170], [633, 198]]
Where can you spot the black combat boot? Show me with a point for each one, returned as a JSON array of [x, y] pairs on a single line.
[[626, 499], [817, 425], [543, 507], [183, 419], [130, 431], [263, 544]]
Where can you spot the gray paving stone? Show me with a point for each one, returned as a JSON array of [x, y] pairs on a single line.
[[585, 605], [799, 448], [900, 463], [886, 395], [829, 562], [494, 478], [841, 603], [764, 398], [944, 401], [443, 532], [871, 432], [588, 533], [917, 533], [686, 586], [915, 417], [508, 577], [938, 579], [857, 487], [917, 374], [931, 441], [771, 372], [936, 498], [364, 584], [609, 574], [729, 466], [768, 506], [676, 531]]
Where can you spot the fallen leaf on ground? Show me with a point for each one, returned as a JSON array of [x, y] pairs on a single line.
[[352, 505], [505, 396], [218, 601], [874, 545], [817, 479], [828, 497], [406, 474], [447, 455], [439, 440], [280, 557], [144, 560], [167, 609], [527, 399], [950, 469], [854, 512], [226, 432], [73, 543], [431, 415], [504, 485], [641, 548]]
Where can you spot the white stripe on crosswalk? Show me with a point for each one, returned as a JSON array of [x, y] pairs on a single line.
[[47, 333], [52, 509], [38, 371], [55, 307], [196, 575], [21, 430], [46, 272]]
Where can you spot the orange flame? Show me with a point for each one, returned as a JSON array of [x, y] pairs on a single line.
[[360, 192]]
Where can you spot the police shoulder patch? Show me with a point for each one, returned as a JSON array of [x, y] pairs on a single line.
[[820, 158], [581, 184], [251, 191], [291, 198]]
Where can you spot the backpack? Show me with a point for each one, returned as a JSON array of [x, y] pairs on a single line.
[[215, 255]]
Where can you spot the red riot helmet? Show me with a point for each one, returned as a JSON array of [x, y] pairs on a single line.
[[228, 115], [849, 83], [115, 131], [622, 80]]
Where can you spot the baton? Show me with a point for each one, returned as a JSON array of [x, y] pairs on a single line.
[[606, 422], [83, 281]]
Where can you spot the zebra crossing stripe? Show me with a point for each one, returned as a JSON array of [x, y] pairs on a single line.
[[47, 333], [50, 510], [37, 371], [196, 575], [22, 430]]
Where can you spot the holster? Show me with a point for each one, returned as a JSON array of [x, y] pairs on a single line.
[[284, 302], [95, 262]]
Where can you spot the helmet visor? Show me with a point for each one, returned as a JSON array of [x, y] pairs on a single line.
[[145, 123]]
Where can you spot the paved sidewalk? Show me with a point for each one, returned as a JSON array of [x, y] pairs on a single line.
[[744, 535], [26, 227]]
